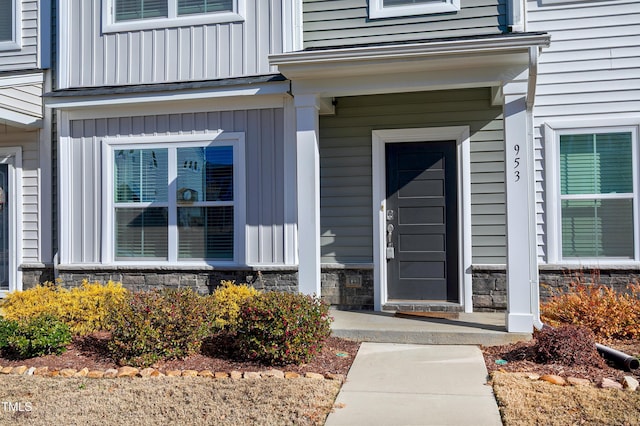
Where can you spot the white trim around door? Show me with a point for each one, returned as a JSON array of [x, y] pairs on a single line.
[[428, 134], [12, 156]]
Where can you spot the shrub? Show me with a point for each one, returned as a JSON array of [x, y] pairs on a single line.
[[84, 309], [40, 335], [158, 324], [224, 303], [568, 345], [7, 329], [603, 310], [282, 328]]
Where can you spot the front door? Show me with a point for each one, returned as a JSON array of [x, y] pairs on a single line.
[[421, 221]]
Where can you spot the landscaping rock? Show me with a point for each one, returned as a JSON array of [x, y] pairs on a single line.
[[552, 378], [610, 384], [278, 374], [146, 372], [206, 373], [82, 373], [235, 375], [19, 370], [251, 375], [339, 377], [6, 370], [127, 371], [110, 373], [221, 375], [630, 383], [314, 376], [190, 373], [291, 375], [173, 373], [41, 371], [95, 374], [30, 371], [575, 381], [67, 372], [532, 376]]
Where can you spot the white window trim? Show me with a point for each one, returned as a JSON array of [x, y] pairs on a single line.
[[460, 134], [377, 9], [235, 139], [13, 157], [109, 25], [552, 132], [16, 42]]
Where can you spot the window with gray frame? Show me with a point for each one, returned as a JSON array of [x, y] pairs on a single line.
[[6, 20], [128, 10]]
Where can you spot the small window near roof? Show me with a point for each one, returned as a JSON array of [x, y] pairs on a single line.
[[6, 20], [395, 8]]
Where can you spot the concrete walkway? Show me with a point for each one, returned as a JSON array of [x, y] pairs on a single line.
[[409, 384]]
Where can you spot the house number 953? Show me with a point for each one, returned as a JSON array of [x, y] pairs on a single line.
[[516, 163]]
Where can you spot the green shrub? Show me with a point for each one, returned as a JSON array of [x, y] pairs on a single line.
[[282, 328], [158, 324], [41, 335], [84, 309], [603, 310], [7, 329], [224, 303]]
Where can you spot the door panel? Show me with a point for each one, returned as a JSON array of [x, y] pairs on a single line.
[[422, 218]]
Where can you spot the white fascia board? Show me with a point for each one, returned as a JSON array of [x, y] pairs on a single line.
[[18, 119], [76, 102], [21, 79], [396, 52]]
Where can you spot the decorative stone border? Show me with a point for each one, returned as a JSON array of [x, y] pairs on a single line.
[[112, 373]]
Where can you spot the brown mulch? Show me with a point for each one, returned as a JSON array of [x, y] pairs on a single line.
[[91, 352], [520, 359]]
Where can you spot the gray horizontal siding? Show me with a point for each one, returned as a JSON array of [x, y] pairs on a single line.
[[264, 167], [195, 52], [27, 56], [330, 23], [345, 167], [591, 71]]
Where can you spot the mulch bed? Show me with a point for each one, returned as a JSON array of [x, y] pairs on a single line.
[[520, 359], [91, 352]]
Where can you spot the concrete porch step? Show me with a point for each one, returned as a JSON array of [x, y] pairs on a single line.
[[482, 328]]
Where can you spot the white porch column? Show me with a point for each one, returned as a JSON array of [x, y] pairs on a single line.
[[308, 190], [519, 177]]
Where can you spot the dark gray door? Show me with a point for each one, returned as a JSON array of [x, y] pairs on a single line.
[[422, 221]]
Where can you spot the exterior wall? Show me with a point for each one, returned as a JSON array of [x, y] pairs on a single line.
[[30, 203], [264, 138], [22, 98], [590, 72], [345, 167], [27, 56], [192, 52], [329, 23]]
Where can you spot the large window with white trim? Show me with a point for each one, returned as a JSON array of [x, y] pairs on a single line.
[[125, 15], [393, 8], [597, 191], [9, 24], [176, 202]]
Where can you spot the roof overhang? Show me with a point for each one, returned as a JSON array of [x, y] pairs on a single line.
[[21, 99], [209, 95], [429, 65]]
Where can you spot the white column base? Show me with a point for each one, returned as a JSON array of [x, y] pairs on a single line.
[[519, 323]]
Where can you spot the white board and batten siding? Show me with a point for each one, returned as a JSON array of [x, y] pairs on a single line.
[[264, 165], [29, 142], [189, 53], [332, 23], [26, 57], [590, 72], [345, 167]]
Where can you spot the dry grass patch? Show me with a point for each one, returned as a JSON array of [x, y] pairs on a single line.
[[534, 402], [154, 401]]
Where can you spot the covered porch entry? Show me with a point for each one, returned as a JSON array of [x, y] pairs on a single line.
[[362, 115]]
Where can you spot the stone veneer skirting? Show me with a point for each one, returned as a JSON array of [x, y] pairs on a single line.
[[346, 287]]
